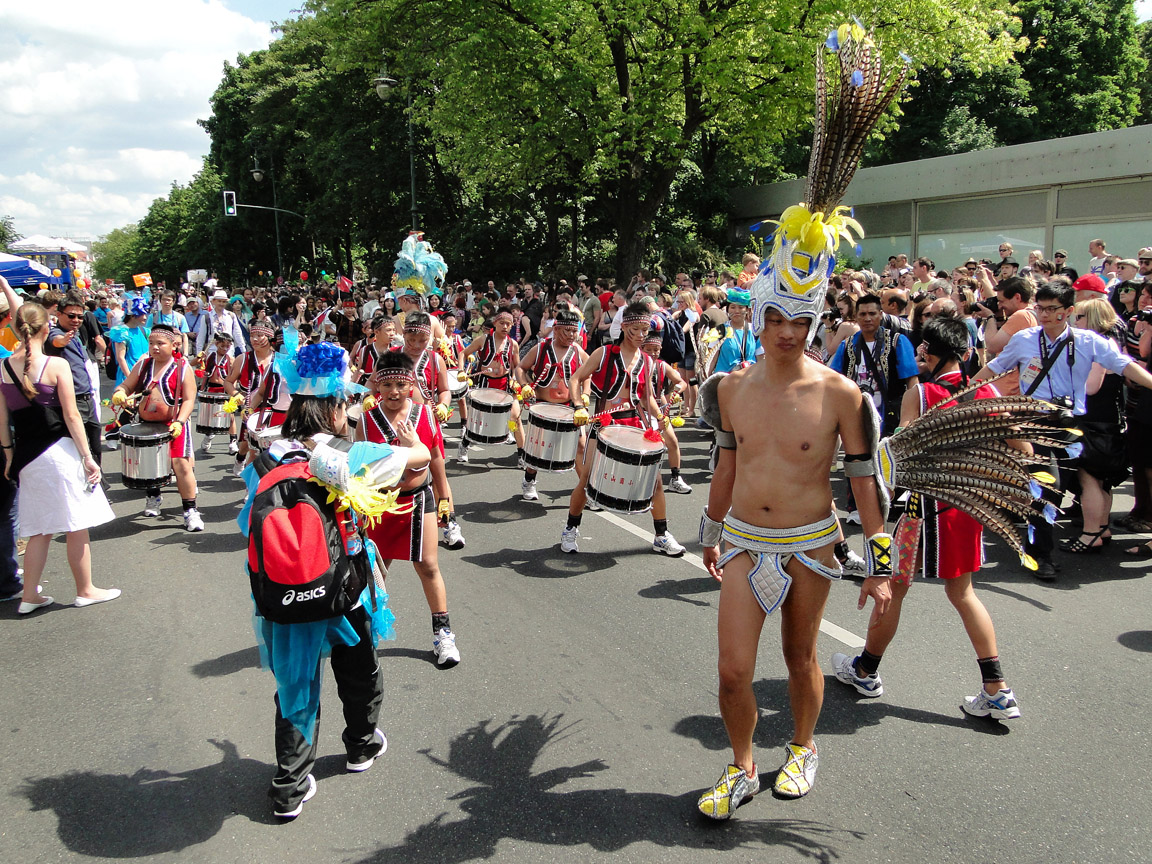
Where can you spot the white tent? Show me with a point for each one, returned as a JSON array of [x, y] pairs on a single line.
[[44, 243]]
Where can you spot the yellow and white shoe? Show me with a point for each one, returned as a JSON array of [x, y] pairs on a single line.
[[799, 772], [732, 789]]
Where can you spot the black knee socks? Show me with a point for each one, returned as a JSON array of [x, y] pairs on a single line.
[[867, 664]]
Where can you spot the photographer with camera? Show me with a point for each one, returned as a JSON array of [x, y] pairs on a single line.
[[1007, 314], [1054, 361]]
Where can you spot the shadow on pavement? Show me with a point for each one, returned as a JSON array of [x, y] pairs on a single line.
[[1137, 640], [682, 590], [512, 802], [152, 811], [487, 513], [135, 525], [546, 564], [412, 654], [844, 713], [228, 664], [207, 541]]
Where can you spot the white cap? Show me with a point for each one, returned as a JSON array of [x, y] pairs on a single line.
[[467, 284], [219, 294]]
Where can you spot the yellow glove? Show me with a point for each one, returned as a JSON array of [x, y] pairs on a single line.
[[584, 399], [512, 426], [442, 412], [443, 508], [677, 422], [119, 398], [580, 417], [369, 403], [176, 428]]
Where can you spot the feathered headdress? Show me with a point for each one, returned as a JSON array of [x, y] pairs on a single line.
[[317, 370], [419, 267], [850, 98]]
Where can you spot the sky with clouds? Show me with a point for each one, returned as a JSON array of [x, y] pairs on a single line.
[[99, 101]]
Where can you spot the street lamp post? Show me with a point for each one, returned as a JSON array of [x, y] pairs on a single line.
[[258, 176], [384, 86]]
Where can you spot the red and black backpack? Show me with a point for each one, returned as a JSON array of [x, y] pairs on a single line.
[[298, 548]]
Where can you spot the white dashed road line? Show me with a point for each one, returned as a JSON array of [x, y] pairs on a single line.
[[827, 627]]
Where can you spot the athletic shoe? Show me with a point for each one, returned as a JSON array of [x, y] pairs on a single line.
[[462, 453], [854, 565], [152, 505], [593, 506], [511, 439], [295, 811], [733, 788], [12, 595], [238, 468], [453, 538], [528, 490], [1002, 706], [798, 773], [568, 538], [233, 447], [844, 668], [701, 423], [192, 520], [667, 544], [207, 445], [853, 517], [677, 484], [375, 751], [444, 647]]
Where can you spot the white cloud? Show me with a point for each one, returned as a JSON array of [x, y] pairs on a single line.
[[101, 101]]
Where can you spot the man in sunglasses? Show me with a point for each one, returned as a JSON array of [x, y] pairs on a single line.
[[1060, 257], [76, 337], [1145, 262]]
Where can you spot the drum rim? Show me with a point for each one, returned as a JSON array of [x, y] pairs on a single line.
[[628, 457], [505, 401], [548, 465], [214, 398], [609, 502]]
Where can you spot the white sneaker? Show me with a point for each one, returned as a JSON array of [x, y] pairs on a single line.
[[677, 484], [298, 809], [453, 538], [528, 490], [592, 505], [853, 517], [568, 538], [233, 447], [667, 544], [207, 445], [1003, 705], [844, 668], [192, 520], [444, 647], [237, 468], [511, 439], [462, 453], [152, 505], [854, 565]]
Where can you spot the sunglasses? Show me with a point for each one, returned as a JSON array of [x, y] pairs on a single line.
[[1146, 260], [1059, 256], [75, 316]]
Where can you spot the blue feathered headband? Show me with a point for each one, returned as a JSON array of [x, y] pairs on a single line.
[[418, 267]]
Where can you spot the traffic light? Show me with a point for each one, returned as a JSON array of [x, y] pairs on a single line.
[[229, 203]]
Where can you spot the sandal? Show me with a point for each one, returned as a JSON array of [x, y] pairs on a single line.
[[1144, 550], [1078, 546], [1134, 524]]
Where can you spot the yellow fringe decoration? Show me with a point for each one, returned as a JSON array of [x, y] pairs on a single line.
[[233, 404], [817, 231], [365, 501]]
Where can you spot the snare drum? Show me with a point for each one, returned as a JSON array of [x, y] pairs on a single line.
[[210, 416], [145, 460], [488, 414], [259, 436], [456, 384], [625, 469], [354, 414], [551, 438]]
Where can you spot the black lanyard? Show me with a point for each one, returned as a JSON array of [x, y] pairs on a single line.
[[1049, 358]]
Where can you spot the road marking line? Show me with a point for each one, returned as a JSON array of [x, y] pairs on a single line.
[[827, 627]]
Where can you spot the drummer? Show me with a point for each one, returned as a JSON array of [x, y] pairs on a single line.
[[668, 387], [247, 375], [167, 390], [432, 389], [217, 364], [383, 330], [452, 347], [549, 367], [498, 355], [621, 377], [411, 536]]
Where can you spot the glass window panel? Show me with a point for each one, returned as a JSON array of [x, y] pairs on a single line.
[[973, 214], [876, 249], [1104, 200], [1125, 239], [948, 250]]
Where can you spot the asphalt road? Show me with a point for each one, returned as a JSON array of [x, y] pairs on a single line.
[[582, 723]]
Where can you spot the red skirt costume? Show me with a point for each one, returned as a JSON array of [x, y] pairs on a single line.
[[167, 389], [400, 536], [952, 543]]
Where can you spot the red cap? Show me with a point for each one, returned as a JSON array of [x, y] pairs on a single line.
[[1091, 282]]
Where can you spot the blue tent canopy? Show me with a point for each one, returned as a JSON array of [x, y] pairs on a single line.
[[21, 273]]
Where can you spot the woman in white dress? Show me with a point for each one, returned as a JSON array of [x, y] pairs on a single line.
[[48, 457]]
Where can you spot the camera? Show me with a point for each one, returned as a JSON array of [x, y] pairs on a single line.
[[1144, 315]]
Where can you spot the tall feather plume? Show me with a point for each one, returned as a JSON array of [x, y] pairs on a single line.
[[850, 99]]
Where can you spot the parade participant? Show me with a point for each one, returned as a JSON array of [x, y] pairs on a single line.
[[788, 411], [47, 455], [294, 650], [248, 379], [669, 387], [344, 326], [270, 394], [166, 387], [739, 346], [382, 331], [497, 355], [548, 369], [217, 317], [410, 533], [432, 389], [216, 366], [951, 545], [452, 347], [621, 379]]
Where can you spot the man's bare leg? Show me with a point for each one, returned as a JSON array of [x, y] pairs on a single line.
[[799, 627], [739, 624]]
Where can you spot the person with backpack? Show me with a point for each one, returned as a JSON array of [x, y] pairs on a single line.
[[313, 573]]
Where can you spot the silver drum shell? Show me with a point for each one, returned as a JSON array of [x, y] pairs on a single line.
[[488, 414], [625, 470], [145, 462], [551, 439], [210, 416]]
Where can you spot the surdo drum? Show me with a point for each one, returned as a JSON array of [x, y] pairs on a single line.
[[551, 438], [488, 414], [260, 436], [456, 385], [145, 462], [625, 469], [210, 416]]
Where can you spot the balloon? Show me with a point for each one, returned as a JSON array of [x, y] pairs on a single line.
[[261, 272], [56, 272], [80, 283], [303, 275], [77, 274], [43, 286]]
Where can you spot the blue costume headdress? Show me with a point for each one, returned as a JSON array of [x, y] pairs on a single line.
[[318, 370], [137, 306], [418, 267]]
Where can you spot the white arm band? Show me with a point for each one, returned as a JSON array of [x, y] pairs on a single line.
[[710, 529]]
